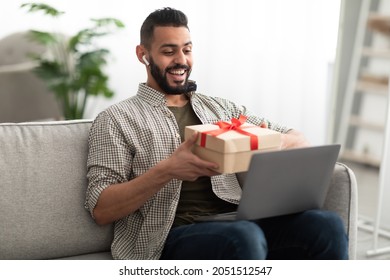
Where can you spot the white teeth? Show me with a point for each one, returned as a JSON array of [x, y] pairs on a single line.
[[177, 72]]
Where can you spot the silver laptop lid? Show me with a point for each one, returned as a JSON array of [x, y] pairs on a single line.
[[287, 181]]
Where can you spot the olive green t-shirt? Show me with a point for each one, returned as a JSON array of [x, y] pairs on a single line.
[[196, 198]]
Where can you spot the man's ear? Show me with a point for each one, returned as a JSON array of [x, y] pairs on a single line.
[[141, 54]]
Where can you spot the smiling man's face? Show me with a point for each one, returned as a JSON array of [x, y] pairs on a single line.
[[170, 59]]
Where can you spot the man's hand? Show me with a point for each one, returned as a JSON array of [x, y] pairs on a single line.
[[184, 165], [294, 139]]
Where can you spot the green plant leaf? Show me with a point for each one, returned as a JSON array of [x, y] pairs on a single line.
[[84, 37], [93, 59], [75, 69], [108, 93], [44, 38], [52, 72], [48, 70], [46, 9], [108, 21]]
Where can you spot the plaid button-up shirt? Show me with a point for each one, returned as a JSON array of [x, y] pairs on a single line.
[[129, 138]]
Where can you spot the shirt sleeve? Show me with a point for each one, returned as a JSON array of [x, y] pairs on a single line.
[[109, 158]]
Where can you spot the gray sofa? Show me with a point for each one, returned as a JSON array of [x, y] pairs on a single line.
[[43, 183]]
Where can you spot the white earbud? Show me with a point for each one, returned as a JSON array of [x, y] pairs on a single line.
[[145, 60]]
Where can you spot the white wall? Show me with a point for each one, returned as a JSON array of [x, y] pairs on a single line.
[[272, 56]]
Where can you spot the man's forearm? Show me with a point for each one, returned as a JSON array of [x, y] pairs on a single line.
[[120, 200]]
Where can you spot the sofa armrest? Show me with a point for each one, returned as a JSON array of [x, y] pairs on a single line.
[[342, 199], [43, 185]]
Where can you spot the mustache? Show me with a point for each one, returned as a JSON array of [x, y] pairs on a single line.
[[178, 67]]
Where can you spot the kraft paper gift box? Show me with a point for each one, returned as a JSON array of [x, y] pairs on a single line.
[[231, 144]]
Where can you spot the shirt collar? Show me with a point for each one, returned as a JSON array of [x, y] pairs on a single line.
[[150, 95]]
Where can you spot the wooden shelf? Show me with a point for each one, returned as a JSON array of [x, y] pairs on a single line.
[[376, 53], [360, 158], [374, 78], [372, 87], [379, 23], [359, 122]]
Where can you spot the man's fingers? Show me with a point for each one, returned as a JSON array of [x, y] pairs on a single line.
[[194, 137], [200, 166], [264, 125], [191, 141], [203, 164]]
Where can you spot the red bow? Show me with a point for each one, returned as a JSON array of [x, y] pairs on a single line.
[[225, 127]]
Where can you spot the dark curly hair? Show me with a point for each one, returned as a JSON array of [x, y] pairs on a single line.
[[161, 17]]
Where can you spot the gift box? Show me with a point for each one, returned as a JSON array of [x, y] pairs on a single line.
[[232, 144]]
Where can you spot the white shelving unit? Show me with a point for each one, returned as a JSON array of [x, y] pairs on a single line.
[[364, 85], [364, 117]]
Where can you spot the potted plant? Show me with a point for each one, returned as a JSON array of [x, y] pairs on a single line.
[[73, 67]]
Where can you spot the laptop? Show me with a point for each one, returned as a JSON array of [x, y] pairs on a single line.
[[284, 182]]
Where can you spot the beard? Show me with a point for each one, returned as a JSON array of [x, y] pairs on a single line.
[[161, 78]]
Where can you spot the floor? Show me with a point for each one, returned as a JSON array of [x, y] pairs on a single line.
[[367, 179]]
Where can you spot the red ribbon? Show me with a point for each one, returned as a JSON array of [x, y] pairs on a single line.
[[225, 127]]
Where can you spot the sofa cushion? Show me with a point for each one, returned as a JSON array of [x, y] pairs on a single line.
[[43, 184]]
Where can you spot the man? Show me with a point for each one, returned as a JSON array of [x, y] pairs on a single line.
[[144, 177]]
